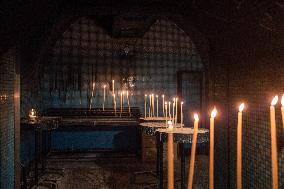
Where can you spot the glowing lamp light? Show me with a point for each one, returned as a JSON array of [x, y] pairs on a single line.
[[32, 114], [241, 107], [196, 118], [214, 113], [274, 101]]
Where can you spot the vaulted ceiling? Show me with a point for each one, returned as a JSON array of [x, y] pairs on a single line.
[[27, 21]]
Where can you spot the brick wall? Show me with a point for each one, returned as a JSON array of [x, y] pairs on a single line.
[[7, 77]]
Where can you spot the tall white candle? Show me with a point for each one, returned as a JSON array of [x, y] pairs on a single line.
[[274, 161], [121, 102], [282, 110], [170, 116], [157, 101], [150, 105], [112, 86], [145, 106], [163, 97], [176, 111], [166, 107], [193, 149], [174, 102], [239, 147], [128, 102], [104, 97], [153, 105], [114, 104], [181, 114], [170, 156], [211, 159]]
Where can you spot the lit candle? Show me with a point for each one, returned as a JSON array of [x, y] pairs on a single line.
[[274, 164], [176, 111], [239, 146], [163, 96], [114, 104], [170, 156], [181, 114], [128, 103], [112, 86], [153, 105], [282, 110], [174, 100], [120, 102], [166, 107], [104, 97], [192, 155], [150, 105], [211, 159], [145, 106], [157, 105], [32, 115], [170, 110]]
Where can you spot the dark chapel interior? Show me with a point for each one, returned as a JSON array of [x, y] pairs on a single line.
[[141, 94]]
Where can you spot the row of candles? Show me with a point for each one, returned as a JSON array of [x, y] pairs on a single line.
[[274, 164], [168, 112]]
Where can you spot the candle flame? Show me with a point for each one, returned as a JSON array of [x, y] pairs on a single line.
[[163, 96], [274, 101], [145, 94], [104, 86], [214, 112], [196, 118], [157, 96], [241, 107], [166, 103], [282, 100], [181, 102]]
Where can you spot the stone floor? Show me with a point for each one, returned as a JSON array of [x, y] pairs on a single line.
[[92, 172]]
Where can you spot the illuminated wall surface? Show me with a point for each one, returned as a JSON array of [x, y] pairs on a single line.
[[7, 75], [86, 54]]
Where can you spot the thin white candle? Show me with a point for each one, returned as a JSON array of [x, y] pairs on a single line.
[[181, 114], [157, 101], [153, 105], [211, 159], [193, 149], [282, 110], [163, 96], [166, 107], [128, 102], [104, 97], [113, 87], [170, 156], [170, 110], [176, 111], [120, 103], [114, 104], [174, 102], [150, 105], [239, 147], [274, 161], [145, 106]]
